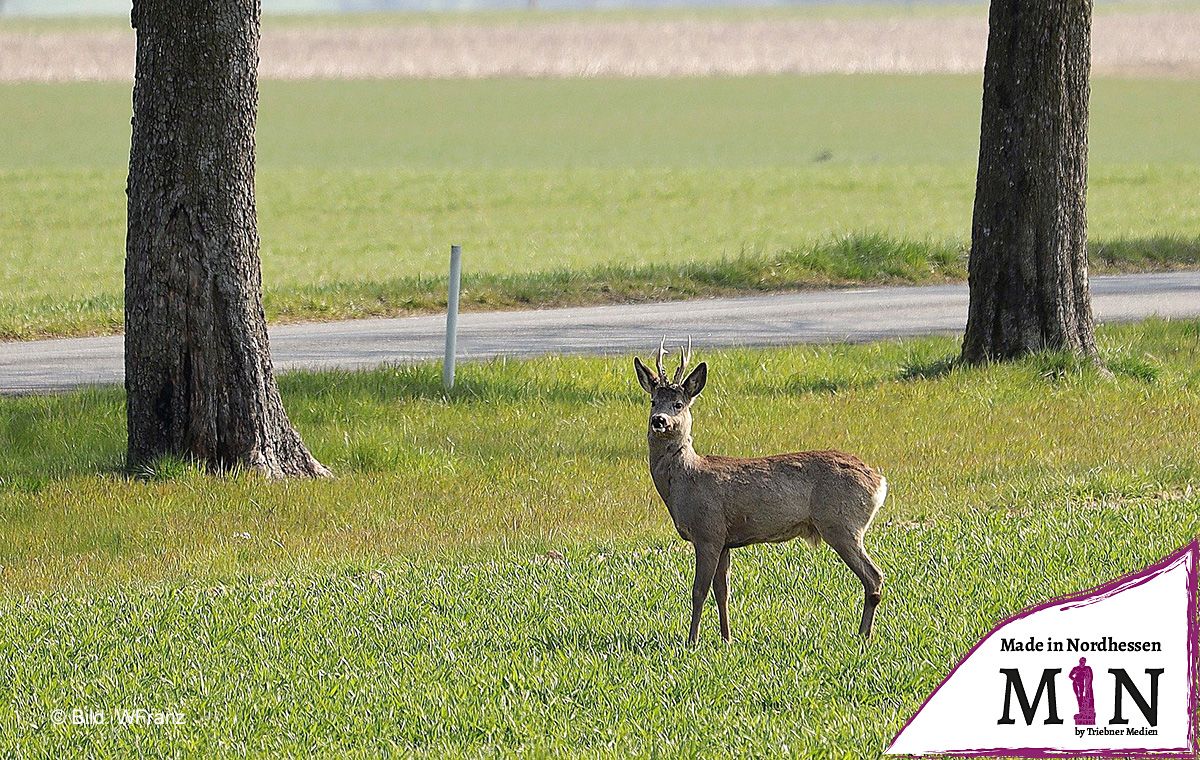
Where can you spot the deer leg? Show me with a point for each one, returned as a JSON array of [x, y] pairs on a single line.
[[871, 597], [849, 547], [707, 558], [721, 592]]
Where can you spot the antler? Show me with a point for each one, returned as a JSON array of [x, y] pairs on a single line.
[[662, 353], [684, 358]]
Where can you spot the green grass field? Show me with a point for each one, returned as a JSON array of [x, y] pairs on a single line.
[[578, 191], [410, 603]]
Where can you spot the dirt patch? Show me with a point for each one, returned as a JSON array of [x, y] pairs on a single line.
[[1135, 44]]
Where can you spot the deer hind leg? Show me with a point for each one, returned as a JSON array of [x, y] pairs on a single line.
[[721, 592], [708, 556], [848, 545]]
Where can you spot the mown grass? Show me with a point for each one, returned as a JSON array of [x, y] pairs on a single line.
[[413, 605], [626, 190], [522, 654], [716, 122]]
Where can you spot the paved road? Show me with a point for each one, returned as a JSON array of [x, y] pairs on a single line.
[[815, 316]]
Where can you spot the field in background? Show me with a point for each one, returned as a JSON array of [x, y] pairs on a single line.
[[1139, 42], [1151, 38], [413, 599], [363, 186], [822, 9]]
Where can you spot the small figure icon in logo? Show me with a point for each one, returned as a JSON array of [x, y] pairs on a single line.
[[1081, 681]]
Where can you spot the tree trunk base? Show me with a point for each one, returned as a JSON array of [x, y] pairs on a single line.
[[198, 377]]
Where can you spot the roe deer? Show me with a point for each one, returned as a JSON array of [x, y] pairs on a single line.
[[721, 503]]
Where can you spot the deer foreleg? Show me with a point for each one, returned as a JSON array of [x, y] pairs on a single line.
[[708, 556], [721, 592]]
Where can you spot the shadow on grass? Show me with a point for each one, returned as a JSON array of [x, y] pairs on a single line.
[[1051, 366], [819, 385], [1148, 254], [49, 438], [928, 369], [475, 383]]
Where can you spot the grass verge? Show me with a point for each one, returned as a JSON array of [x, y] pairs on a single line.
[[412, 605], [848, 261]]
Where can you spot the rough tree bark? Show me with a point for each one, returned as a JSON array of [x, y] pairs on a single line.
[[198, 371], [1028, 262]]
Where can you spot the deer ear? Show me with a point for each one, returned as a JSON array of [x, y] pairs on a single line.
[[694, 383], [646, 378]]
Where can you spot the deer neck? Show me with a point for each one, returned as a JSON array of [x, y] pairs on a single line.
[[668, 459], [663, 449], [672, 462]]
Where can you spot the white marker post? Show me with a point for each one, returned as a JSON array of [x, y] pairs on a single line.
[[452, 316]]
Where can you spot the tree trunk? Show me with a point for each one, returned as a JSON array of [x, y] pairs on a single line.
[[1028, 264], [198, 375]]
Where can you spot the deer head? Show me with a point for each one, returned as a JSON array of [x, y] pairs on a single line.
[[671, 401]]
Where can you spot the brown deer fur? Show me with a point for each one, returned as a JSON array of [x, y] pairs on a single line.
[[721, 503]]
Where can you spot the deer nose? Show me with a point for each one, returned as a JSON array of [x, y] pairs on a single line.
[[658, 422]]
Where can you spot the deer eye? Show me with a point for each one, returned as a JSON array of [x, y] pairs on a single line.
[[678, 405]]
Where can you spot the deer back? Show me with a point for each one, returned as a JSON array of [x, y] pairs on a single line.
[[773, 498]]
